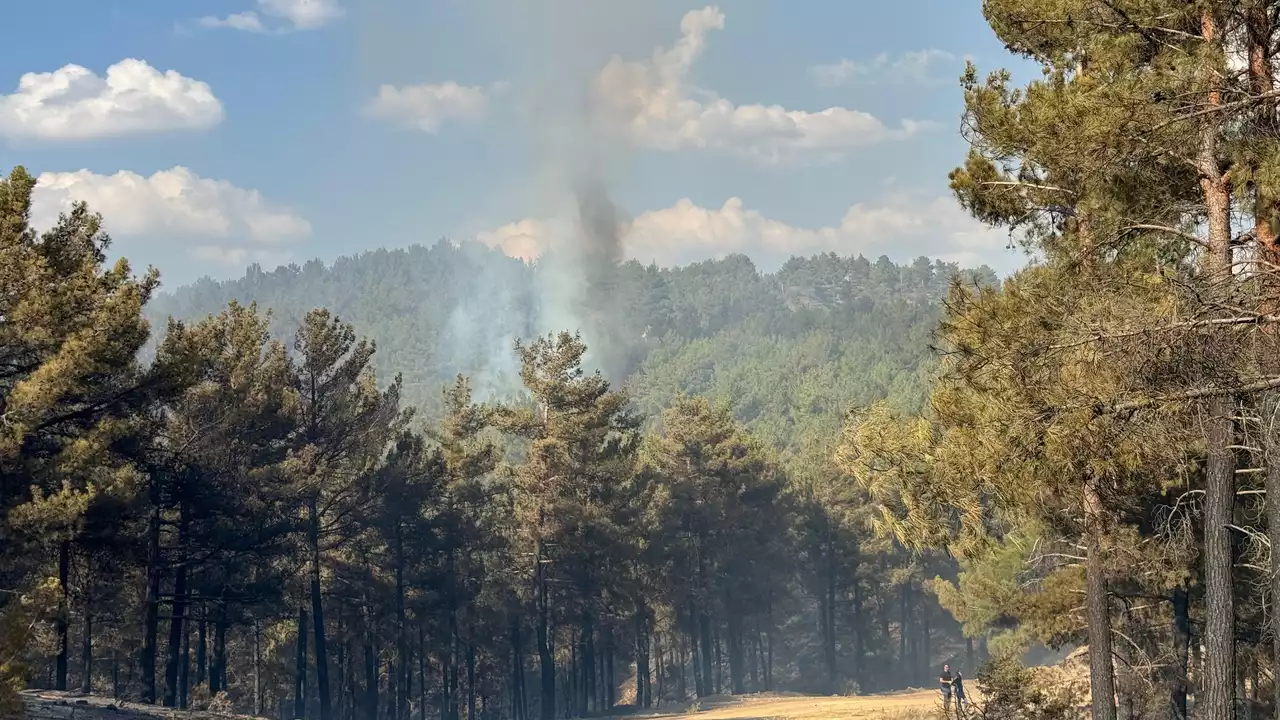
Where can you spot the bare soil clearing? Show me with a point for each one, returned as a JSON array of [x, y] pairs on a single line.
[[912, 704], [907, 705]]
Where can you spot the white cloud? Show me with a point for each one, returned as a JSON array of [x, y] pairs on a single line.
[[525, 239], [217, 220], [903, 225], [240, 257], [304, 14], [654, 105], [74, 103], [426, 107], [916, 67], [294, 14], [246, 21]]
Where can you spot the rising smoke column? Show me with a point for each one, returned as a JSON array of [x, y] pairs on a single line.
[[602, 226], [580, 154], [558, 49]]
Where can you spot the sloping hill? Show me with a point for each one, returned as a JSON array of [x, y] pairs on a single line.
[[789, 349]]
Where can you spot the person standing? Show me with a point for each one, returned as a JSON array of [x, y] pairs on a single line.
[[944, 680], [957, 686]]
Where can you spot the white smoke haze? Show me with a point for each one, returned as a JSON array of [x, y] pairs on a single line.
[[600, 80], [561, 45], [595, 81]]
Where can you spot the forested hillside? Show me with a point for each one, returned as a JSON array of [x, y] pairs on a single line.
[[789, 351]]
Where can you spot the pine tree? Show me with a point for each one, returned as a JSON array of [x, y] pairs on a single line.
[[345, 422], [70, 332], [582, 439], [722, 524], [217, 467]]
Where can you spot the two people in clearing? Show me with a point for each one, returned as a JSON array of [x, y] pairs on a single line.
[[951, 686]]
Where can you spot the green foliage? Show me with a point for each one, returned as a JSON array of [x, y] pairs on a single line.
[[19, 616], [789, 351], [261, 497], [723, 517], [1011, 691], [70, 389], [1003, 592]]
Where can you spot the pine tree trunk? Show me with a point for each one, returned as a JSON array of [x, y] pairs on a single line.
[[1181, 647], [392, 690], [682, 682], [904, 634], [184, 670], [257, 670], [344, 694], [178, 616], [201, 649], [590, 695], [926, 640], [370, 675], [1219, 625], [422, 672], [704, 639], [572, 680], [517, 670], [695, 658], [643, 678], [1259, 33], [300, 668], [317, 613], [64, 613], [151, 619], [444, 683], [86, 646], [598, 678], [829, 625], [407, 675], [859, 621], [610, 699], [663, 657], [455, 662], [402, 644], [768, 637], [218, 683], [737, 671], [1101, 668], [886, 630], [912, 668], [719, 658], [546, 659], [1271, 442], [471, 666], [1219, 631]]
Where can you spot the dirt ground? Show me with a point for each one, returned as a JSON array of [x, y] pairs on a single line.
[[913, 705]]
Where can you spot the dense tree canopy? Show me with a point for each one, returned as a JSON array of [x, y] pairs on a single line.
[[442, 509]]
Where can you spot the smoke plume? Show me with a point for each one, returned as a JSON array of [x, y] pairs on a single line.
[[561, 46]]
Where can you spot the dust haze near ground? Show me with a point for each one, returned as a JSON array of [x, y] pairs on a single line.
[[909, 705]]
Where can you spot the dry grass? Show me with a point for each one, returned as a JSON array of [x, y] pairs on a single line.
[[919, 704]]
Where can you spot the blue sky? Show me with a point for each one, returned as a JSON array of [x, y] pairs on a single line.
[[292, 129]]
